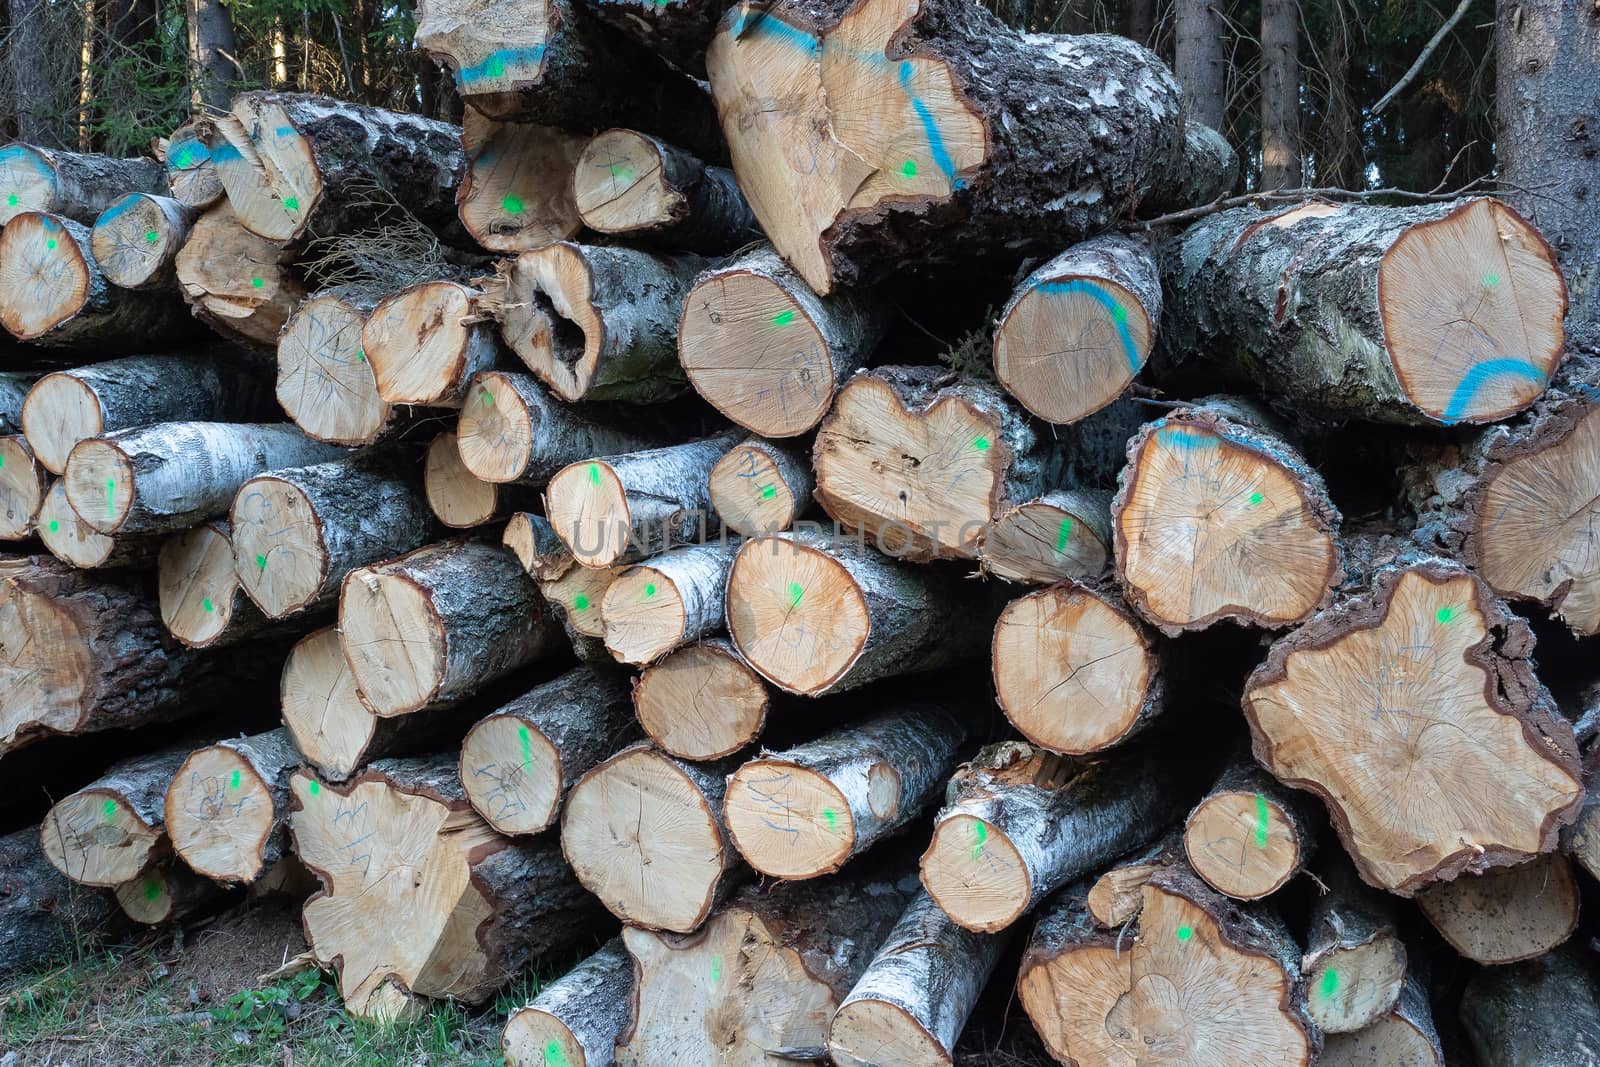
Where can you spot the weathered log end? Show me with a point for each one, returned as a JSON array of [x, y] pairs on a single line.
[[516, 194], [1246, 845], [325, 383], [137, 238], [760, 488], [458, 498], [223, 814], [1063, 534], [322, 707], [702, 702], [235, 281], [621, 187], [425, 343], [24, 483], [190, 172], [1507, 914], [47, 278], [27, 181], [197, 585], [98, 837]]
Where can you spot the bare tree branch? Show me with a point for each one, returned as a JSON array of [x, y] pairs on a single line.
[[1428, 50]]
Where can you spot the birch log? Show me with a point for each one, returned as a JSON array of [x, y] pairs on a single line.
[[1404, 1035], [1355, 963], [236, 282], [516, 194], [426, 343], [1249, 835], [640, 188], [136, 240], [1506, 914], [166, 892], [761, 487], [577, 1018], [75, 185], [190, 171], [1062, 534], [227, 807], [460, 499], [24, 482], [110, 830], [666, 602], [202, 602], [325, 384], [68, 538], [702, 702]]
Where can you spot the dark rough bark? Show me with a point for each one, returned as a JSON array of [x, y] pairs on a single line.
[[14, 386], [44, 915], [676, 30], [1199, 63], [74, 185], [1542, 1013], [1280, 95], [1547, 137], [211, 44]]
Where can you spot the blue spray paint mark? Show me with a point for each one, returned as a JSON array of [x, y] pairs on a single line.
[[1177, 437], [118, 208], [930, 129], [496, 64], [223, 153], [283, 131], [1105, 300], [1478, 376], [771, 26]]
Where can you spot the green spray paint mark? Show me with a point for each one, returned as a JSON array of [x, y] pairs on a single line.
[[594, 474], [511, 205], [152, 889], [261, 561], [796, 593], [110, 809], [1261, 821], [783, 318], [981, 444], [2, 461], [316, 787], [831, 817], [980, 834], [1255, 499], [182, 159], [497, 67], [1330, 982], [1119, 313], [291, 203], [650, 589], [1063, 532], [1491, 280], [621, 172], [55, 525], [1447, 614], [256, 283], [488, 399], [152, 236], [11, 200], [527, 748], [206, 603], [909, 168], [233, 782], [361, 355], [111, 496], [580, 602], [51, 244], [553, 1055], [768, 492], [1184, 933], [716, 969]]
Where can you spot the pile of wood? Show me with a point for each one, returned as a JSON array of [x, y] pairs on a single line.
[[621, 565]]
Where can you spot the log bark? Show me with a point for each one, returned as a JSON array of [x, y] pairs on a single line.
[[1063, 534], [294, 164], [914, 999], [924, 460], [426, 343], [538, 547], [298, 531], [703, 702], [512, 430], [237, 283], [198, 588], [1201, 979], [1347, 704], [85, 653], [1543, 1013], [1404, 1036], [616, 509], [68, 538], [516, 194], [191, 174], [1074, 671], [774, 966], [1355, 964], [1078, 330], [577, 1018], [459, 499], [1520, 502], [666, 602], [1507, 914], [23, 485], [597, 322], [645, 833], [43, 915], [542, 64], [167, 892], [1442, 313], [1249, 835], [806, 811], [136, 240], [53, 294], [759, 346], [69, 406], [109, 831], [678, 30], [74, 185], [1118, 895], [148, 479], [227, 808], [1020, 823], [640, 188], [761, 487], [325, 384], [14, 386], [518, 763], [872, 136], [1218, 518], [436, 625], [419, 896], [815, 615]]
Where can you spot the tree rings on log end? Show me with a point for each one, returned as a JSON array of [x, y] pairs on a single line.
[[642, 837], [701, 703], [1047, 540], [190, 171], [1392, 1041], [885, 1033], [1347, 986], [494, 48], [581, 592], [752, 495], [1073, 673], [797, 616], [23, 485], [791, 822], [1506, 914], [99, 483], [496, 430], [538, 1038], [236, 280], [975, 874], [1472, 308], [60, 410], [1243, 844], [417, 343], [67, 536], [219, 814], [267, 167], [43, 275], [459, 498], [45, 667], [394, 639], [645, 615], [619, 185], [512, 774], [325, 383], [95, 838], [134, 240], [322, 708], [147, 899], [278, 548], [27, 181], [751, 350], [197, 584], [517, 193], [588, 507]]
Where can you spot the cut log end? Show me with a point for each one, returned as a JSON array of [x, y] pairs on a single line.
[[754, 353], [325, 383], [553, 323], [1210, 527], [645, 614], [135, 240], [588, 507], [1472, 308], [517, 193], [533, 540], [420, 344], [496, 430], [1533, 531], [701, 703], [43, 274], [975, 874], [866, 1033], [796, 615], [322, 708], [641, 835], [459, 498], [219, 814], [1044, 541], [99, 484], [620, 186], [580, 592], [1348, 986], [376, 609], [1072, 672], [235, 280], [792, 822], [67, 536], [60, 411], [1069, 345], [197, 585], [272, 179], [538, 1038], [753, 495], [1507, 914], [95, 837], [27, 182], [1242, 844], [512, 774], [24, 484], [1392, 1041], [278, 550], [190, 172], [148, 899]]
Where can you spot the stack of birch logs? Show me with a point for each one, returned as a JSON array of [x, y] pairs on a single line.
[[624, 566]]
